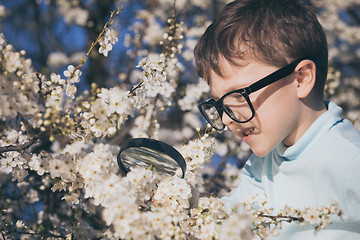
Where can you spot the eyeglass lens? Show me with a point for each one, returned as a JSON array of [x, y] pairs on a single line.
[[234, 104], [212, 116], [237, 107]]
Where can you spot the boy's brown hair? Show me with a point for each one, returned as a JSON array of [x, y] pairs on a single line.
[[274, 31]]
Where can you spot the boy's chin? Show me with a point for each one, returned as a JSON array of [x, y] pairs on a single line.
[[260, 151]]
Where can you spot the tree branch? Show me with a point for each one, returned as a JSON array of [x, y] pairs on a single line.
[[22, 147], [282, 218]]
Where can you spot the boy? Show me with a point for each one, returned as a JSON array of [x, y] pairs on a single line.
[[266, 63]]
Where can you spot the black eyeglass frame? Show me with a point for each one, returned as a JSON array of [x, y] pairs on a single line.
[[269, 79]]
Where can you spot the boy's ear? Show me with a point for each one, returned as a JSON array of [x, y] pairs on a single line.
[[305, 78]]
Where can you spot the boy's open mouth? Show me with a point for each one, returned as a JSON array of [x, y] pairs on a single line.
[[247, 131]]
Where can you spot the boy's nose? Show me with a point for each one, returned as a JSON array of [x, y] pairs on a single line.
[[226, 119]]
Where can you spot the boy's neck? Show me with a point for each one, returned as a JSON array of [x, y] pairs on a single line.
[[309, 114]]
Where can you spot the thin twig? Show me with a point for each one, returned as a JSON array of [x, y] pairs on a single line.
[[223, 162], [82, 61]]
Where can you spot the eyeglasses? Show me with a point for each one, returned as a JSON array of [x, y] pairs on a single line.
[[236, 104]]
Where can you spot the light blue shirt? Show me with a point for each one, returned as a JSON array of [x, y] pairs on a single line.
[[321, 167]]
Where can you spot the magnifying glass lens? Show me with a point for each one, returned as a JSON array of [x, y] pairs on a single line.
[[151, 154], [148, 158]]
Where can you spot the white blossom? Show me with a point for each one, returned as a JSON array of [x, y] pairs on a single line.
[[70, 90], [111, 35], [105, 48], [74, 73]]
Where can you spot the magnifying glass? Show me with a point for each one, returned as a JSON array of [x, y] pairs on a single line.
[[150, 153]]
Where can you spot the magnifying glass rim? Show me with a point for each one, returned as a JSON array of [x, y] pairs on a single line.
[[153, 145]]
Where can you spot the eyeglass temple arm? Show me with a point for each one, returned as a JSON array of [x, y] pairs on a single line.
[[275, 76]]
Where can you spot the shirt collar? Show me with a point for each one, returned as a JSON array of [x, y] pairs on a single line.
[[322, 124]]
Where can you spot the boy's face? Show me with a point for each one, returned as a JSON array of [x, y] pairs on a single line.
[[277, 107]]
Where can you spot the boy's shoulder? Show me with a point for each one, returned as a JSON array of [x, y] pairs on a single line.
[[333, 134], [347, 134], [342, 131]]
